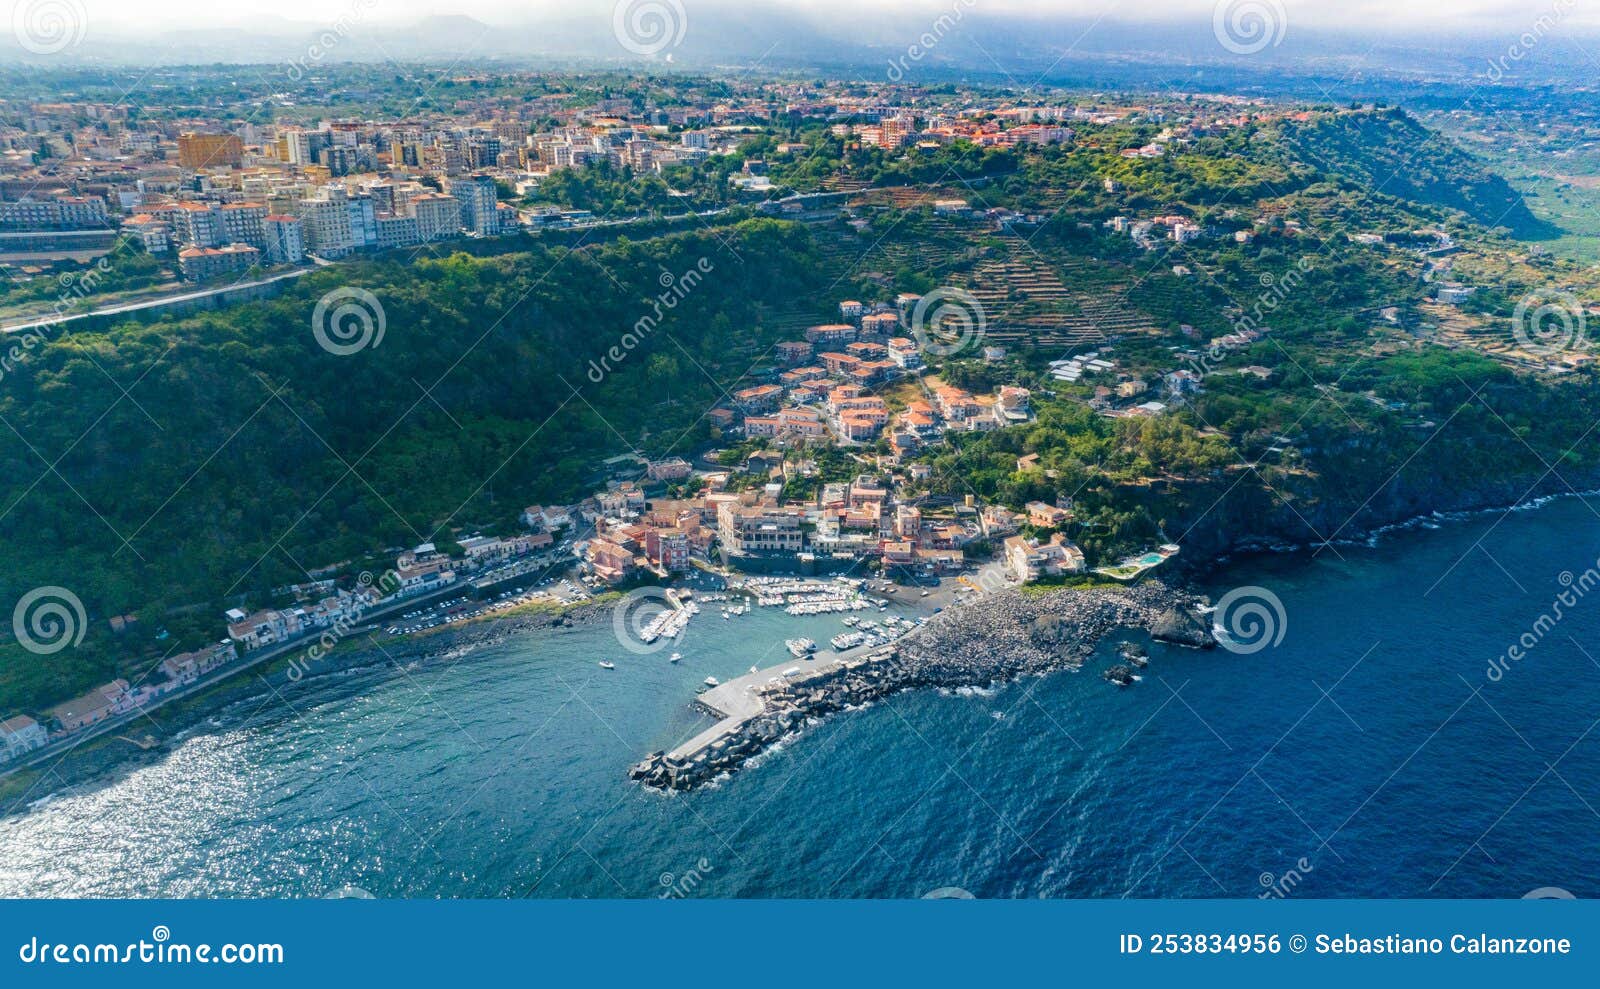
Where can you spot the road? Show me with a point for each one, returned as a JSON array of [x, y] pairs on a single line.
[[149, 304]]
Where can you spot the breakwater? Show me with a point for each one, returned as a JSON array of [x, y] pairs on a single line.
[[998, 637]]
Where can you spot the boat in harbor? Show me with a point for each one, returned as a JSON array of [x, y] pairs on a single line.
[[800, 648], [712, 682], [607, 666], [675, 657]]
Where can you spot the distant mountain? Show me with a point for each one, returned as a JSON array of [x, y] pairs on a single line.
[[937, 44]]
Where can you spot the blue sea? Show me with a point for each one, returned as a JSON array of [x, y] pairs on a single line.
[[1384, 747]]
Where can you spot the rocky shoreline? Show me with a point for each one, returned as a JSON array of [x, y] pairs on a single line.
[[998, 637]]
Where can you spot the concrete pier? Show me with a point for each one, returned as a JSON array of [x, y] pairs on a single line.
[[739, 700]]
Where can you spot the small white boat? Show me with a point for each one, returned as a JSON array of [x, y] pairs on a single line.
[[607, 666], [675, 657], [711, 681]]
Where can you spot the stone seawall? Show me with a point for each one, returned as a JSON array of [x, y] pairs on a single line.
[[995, 638]]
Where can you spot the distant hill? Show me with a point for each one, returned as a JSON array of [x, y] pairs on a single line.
[[1387, 151]]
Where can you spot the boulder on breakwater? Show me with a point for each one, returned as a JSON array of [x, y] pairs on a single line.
[[996, 637]]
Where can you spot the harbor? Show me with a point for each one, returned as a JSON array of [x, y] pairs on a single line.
[[1005, 636]]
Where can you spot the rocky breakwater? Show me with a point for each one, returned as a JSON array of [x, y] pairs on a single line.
[[997, 637]]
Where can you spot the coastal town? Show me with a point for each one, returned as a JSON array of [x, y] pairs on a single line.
[[658, 520], [824, 454], [217, 196]]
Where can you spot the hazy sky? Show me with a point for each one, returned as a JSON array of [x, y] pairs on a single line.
[[1365, 16]]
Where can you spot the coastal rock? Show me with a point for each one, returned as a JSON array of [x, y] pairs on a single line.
[[998, 637], [1182, 627]]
